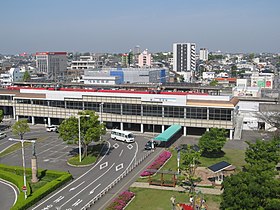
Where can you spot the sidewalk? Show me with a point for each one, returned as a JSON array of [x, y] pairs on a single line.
[[212, 191]]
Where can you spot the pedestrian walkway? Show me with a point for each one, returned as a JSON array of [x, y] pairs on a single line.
[[212, 191]]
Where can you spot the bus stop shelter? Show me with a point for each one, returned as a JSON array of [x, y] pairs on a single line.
[[168, 136]]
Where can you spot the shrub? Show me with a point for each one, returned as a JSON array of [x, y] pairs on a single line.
[[161, 159], [121, 201], [13, 174]]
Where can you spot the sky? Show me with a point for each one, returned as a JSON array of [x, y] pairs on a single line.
[[116, 26]]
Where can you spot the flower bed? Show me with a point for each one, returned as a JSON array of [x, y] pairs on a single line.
[[162, 158], [121, 201]]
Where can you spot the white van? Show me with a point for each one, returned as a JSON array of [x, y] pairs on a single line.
[[120, 135]]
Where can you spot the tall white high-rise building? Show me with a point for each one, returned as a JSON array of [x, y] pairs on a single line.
[[203, 54], [53, 64], [184, 59]]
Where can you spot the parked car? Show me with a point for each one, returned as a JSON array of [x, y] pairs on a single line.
[[2, 135], [51, 128], [148, 145]]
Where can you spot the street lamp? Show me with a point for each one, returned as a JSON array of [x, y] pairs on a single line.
[[23, 161], [79, 124], [178, 159]]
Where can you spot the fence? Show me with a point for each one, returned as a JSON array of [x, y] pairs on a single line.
[[110, 186]]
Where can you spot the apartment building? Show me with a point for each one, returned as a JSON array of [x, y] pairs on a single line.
[[184, 61], [53, 64]]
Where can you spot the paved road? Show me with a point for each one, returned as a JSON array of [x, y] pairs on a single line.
[[52, 153], [8, 193], [118, 156]]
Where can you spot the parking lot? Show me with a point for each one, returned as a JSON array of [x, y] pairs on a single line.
[[52, 152]]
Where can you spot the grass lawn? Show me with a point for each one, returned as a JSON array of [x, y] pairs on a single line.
[[43, 180], [160, 199], [11, 149], [93, 153], [17, 146], [234, 157]]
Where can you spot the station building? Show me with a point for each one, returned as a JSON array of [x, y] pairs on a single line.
[[143, 111]]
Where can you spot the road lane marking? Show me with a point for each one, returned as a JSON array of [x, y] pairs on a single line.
[[119, 167], [92, 191], [77, 202], [74, 188], [137, 174], [116, 145], [130, 146], [76, 179], [121, 153], [88, 185], [103, 165], [59, 199], [11, 186]]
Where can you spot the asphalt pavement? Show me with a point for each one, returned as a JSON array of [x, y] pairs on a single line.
[[52, 153]]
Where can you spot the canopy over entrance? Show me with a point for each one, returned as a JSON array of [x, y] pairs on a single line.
[[168, 133]]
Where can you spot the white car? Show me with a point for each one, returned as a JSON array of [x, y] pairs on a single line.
[[51, 128], [2, 135]]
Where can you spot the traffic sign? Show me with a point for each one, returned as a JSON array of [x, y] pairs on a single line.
[[24, 188]]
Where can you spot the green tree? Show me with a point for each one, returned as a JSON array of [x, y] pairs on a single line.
[[190, 160], [213, 82], [20, 128], [258, 186], [215, 57], [91, 130], [251, 56], [1, 115], [181, 78], [247, 190], [26, 76], [212, 142], [233, 70], [265, 154]]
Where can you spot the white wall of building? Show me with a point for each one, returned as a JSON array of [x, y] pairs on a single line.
[[208, 75], [203, 54], [145, 59], [13, 75]]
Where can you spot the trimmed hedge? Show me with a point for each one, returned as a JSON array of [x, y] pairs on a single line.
[[14, 174]]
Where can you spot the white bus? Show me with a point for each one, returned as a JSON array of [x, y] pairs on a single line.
[[120, 135]]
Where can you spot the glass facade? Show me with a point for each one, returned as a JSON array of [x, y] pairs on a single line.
[[129, 108]]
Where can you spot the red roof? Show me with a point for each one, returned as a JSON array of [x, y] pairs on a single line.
[[226, 79], [108, 91], [51, 53]]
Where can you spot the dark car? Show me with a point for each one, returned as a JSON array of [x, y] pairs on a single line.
[[148, 145]]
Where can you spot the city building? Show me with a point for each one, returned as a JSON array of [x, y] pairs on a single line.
[[124, 109], [184, 62], [208, 75], [246, 91], [145, 59], [53, 64], [13, 75], [127, 59], [87, 62], [262, 80], [203, 54], [110, 76]]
